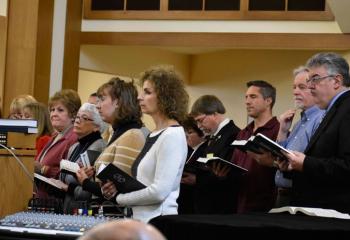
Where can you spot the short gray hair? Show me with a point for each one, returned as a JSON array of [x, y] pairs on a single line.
[[334, 63], [96, 117], [300, 69]]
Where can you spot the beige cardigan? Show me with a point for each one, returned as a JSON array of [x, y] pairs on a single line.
[[123, 151]]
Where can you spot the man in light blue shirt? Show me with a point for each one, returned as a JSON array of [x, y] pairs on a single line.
[[302, 131], [299, 137]]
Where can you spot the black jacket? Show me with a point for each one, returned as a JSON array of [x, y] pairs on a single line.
[[214, 195], [325, 179]]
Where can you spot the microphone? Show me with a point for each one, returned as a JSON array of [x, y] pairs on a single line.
[[21, 165]]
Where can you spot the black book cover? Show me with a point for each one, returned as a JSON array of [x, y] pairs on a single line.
[[123, 181], [260, 143], [209, 161], [247, 145], [270, 145], [89, 157]]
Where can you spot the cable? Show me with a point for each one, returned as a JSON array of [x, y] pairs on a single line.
[[22, 165]]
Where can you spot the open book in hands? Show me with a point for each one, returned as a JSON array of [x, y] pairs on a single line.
[[50, 181], [259, 143], [123, 181], [67, 166], [210, 160], [317, 212]]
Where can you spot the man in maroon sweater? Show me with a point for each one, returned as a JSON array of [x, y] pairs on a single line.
[[256, 188]]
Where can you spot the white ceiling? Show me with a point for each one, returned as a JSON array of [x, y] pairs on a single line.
[[340, 9]]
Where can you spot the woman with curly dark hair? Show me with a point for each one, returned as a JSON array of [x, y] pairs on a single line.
[[160, 163]]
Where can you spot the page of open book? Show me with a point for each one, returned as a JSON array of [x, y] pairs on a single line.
[[317, 212]]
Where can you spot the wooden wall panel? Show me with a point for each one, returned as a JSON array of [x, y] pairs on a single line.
[[15, 187], [28, 50], [21, 49], [3, 34]]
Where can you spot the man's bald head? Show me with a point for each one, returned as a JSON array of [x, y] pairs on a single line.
[[123, 230]]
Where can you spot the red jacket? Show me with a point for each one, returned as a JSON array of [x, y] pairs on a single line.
[[41, 143], [56, 152]]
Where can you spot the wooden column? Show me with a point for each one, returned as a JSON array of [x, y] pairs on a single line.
[[72, 44], [43, 51]]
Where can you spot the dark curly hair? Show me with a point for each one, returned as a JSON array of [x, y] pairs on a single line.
[[170, 89], [126, 93]]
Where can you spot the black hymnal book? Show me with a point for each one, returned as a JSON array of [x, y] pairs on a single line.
[[89, 157], [190, 167], [123, 181], [260, 142], [211, 160]]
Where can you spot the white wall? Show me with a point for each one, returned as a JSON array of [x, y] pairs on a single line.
[[226, 73], [3, 7], [90, 81], [222, 73], [130, 60]]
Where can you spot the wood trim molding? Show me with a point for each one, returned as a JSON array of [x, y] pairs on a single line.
[[297, 41]]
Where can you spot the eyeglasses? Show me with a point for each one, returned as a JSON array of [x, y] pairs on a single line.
[[314, 80], [83, 119], [200, 119]]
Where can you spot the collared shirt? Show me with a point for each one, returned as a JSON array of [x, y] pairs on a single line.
[[221, 125], [335, 99], [299, 138]]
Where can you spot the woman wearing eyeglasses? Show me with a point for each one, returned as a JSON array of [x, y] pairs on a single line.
[[88, 126]]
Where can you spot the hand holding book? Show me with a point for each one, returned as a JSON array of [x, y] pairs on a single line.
[[259, 144], [109, 190], [210, 161], [264, 158], [123, 181]]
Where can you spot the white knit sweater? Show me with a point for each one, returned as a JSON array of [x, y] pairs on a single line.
[[160, 170]]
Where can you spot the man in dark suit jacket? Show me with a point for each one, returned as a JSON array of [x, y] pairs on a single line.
[[321, 175], [214, 192]]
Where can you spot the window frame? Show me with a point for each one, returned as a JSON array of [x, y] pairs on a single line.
[[242, 14]]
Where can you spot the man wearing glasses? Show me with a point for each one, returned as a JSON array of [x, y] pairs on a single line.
[[213, 191], [321, 175]]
